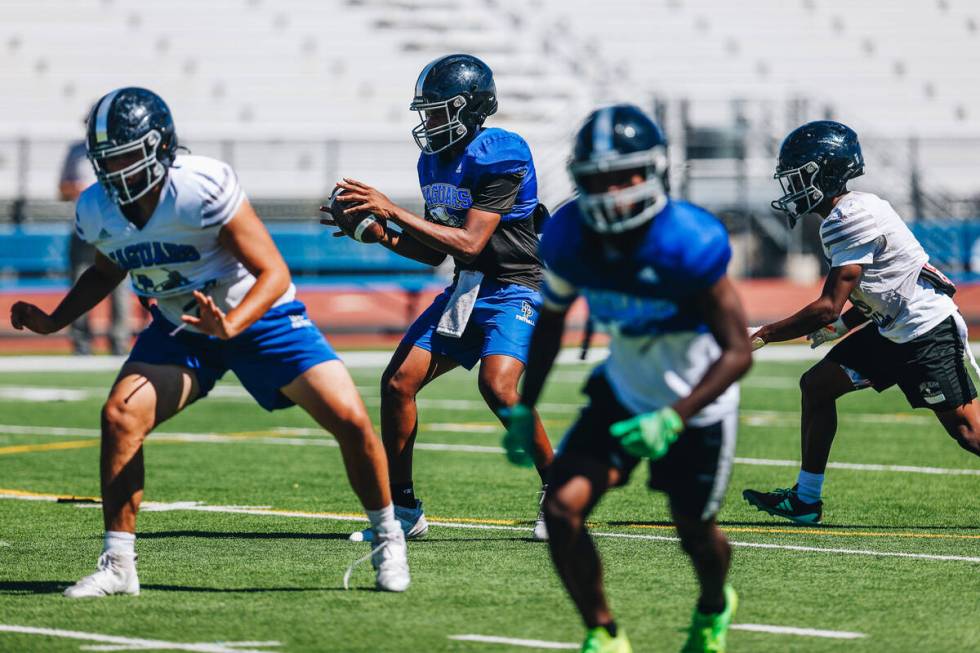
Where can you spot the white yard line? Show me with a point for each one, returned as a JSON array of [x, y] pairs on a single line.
[[793, 630], [308, 439], [132, 643], [571, 646], [526, 643], [262, 511]]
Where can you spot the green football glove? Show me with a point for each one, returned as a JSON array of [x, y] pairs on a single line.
[[519, 421], [649, 435]]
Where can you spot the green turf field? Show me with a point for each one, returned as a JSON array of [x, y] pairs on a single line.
[[898, 560]]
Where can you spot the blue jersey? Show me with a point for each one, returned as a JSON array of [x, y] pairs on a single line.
[[494, 172], [646, 298]]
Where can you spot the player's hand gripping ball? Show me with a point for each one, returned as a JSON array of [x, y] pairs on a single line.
[[363, 227]]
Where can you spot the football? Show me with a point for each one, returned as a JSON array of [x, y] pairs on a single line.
[[362, 227]]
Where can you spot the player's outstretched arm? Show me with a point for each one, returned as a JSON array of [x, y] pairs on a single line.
[[819, 313], [92, 287], [249, 241]]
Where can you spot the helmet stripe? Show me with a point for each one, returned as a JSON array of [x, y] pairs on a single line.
[[602, 131], [102, 117]]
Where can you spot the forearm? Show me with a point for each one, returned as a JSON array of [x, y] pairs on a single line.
[[454, 241], [542, 352], [91, 288], [726, 370], [269, 286], [812, 317], [404, 245]]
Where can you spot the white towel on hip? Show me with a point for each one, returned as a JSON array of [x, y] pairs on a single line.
[[460, 305]]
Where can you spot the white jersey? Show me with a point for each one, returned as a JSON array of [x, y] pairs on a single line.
[[864, 229], [177, 250]]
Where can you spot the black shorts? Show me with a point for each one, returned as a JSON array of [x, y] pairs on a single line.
[[694, 473], [929, 369]]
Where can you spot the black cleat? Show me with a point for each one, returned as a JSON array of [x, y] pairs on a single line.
[[785, 503]]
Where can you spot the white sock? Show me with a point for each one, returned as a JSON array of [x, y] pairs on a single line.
[[809, 486], [383, 520], [119, 542]]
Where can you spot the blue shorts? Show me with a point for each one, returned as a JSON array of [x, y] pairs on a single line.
[[268, 355], [501, 323]]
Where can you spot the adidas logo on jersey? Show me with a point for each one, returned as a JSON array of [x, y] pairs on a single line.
[[104, 235], [300, 321]]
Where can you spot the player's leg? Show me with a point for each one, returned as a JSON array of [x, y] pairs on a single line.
[[864, 359], [409, 370], [498, 382], [143, 396], [327, 392], [576, 483], [589, 462], [820, 387], [963, 425], [695, 474], [498, 379]]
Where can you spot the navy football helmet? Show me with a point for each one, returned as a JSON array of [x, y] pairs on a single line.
[[453, 95], [614, 145], [815, 162], [133, 127]]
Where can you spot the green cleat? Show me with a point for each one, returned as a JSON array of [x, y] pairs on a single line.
[[708, 632], [598, 640]]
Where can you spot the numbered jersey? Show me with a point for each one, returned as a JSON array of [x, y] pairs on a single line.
[[646, 299], [177, 250], [864, 229]]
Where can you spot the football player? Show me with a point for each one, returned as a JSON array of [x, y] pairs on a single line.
[[481, 208], [183, 230], [653, 272], [911, 333]]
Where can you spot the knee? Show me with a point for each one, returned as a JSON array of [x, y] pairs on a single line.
[[811, 388], [396, 386], [702, 539], [120, 422], [498, 392], [560, 514], [968, 437]]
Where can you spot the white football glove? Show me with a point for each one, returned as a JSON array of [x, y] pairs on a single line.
[[757, 343], [832, 331]]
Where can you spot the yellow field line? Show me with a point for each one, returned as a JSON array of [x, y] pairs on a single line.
[[48, 446], [25, 493], [819, 531]]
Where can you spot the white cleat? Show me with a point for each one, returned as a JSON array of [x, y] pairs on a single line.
[[412, 521], [115, 574], [390, 561], [540, 531]]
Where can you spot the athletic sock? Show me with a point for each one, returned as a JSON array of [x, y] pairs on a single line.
[[403, 494], [809, 486], [610, 628], [119, 542], [383, 521]]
